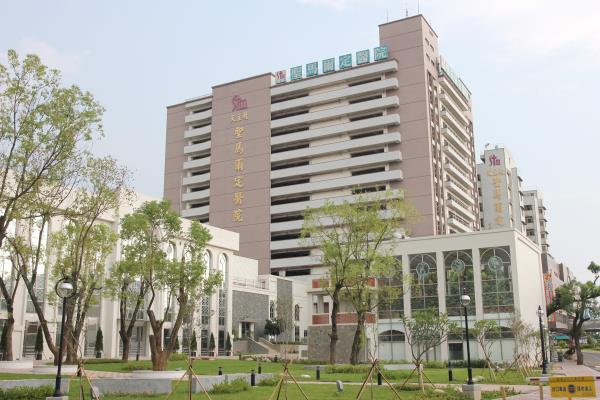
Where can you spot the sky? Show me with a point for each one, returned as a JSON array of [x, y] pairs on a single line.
[[533, 67]]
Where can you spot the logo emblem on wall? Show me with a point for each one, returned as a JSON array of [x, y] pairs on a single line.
[[458, 265], [422, 269], [494, 160], [239, 103], [494, 263]]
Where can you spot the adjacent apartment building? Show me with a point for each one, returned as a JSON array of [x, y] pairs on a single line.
[[253, 154]]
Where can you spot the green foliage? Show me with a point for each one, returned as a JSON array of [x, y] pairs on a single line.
[[99, 346], [178, 357], [347, 369], [26, 393], [434, 364], [39, 341], [193, 342], [268, 382], [228, 343], [3, 344], [211, 342], [235, 386], [272, 327]]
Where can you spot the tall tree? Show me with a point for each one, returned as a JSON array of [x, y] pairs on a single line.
[[577, 299], [80, 250], [355, 239], [153, 228], [43, 129]]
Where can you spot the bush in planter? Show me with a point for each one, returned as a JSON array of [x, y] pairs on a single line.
[[99, 346], [193, 344], [26, 393], [211, 345], [228, 345], [39, 344]]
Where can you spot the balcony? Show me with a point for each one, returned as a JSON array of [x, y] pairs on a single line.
[[461, 208], [198, 133], [460, 191], [295, 262], [192, 180], [197, 148], [338, 147], [291, 244], [332, 184], [199, 195], [332, 166], [334, 95], [456, 157], [195, 212], [450, 89], [338, 129], [448, 101], [337, 112], [458, 224], [198, 117], [454, 124], [202, 162], [456, 141], [459, 174]]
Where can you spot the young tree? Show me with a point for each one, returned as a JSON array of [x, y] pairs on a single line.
[[193, 343], [577, 299], [228, 345], [211, 344], [424, 332], [356, 242], [43, 129], [39, 344], [99, 345], [487, 332]]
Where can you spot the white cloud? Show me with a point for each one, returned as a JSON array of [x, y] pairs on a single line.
[[528, 28], [66, 62]]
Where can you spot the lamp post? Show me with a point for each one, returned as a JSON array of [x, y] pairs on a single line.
[[64, 289], [464, 301], [544, 361]]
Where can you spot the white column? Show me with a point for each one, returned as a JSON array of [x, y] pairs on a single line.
[[478, 295], [406, 287], [441, 287]]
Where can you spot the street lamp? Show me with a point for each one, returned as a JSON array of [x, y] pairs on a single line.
[[540, 313], [64, 289], [464, 301]]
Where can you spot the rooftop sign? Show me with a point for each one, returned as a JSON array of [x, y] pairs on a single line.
[[328, 65]]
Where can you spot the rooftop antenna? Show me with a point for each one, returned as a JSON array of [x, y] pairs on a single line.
[[406, 8], [387, 15], [418, 7]]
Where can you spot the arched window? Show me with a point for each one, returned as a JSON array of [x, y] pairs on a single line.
[[271, 309], [172, 252], [458, 268], [222, 267], [496, 280], [297, 312], [392, 335], [423, 291], [207, 260]]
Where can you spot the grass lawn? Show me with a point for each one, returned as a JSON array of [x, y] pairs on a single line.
[[210, 367], [313, 391], [10, 376]]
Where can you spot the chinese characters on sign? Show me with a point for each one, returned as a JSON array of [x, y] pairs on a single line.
[[496, 175], [328, 65], [239, 133], [572, 386]]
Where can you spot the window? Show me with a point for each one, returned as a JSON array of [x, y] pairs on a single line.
[[496, 280], [392, 336], [423, 291], [529, 220], [326, 308], [392, 305], [530, 232], [458, 267], [272, 309], [297, 312]]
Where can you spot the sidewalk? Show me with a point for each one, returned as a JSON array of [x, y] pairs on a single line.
[[565, 368]]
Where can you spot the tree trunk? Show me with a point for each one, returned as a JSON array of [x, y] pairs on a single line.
[[356, 342], [420, 371], [10, 326], [334, 332], [578, 348], [126, 346], [161, 361]]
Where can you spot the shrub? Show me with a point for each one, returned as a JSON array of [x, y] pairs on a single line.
[[39, 341], [99, 346], [268, 382], [463, 364], [235, 386], [434, 364], [347, 369], [103, 360], [26, 393], [135, 367]]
